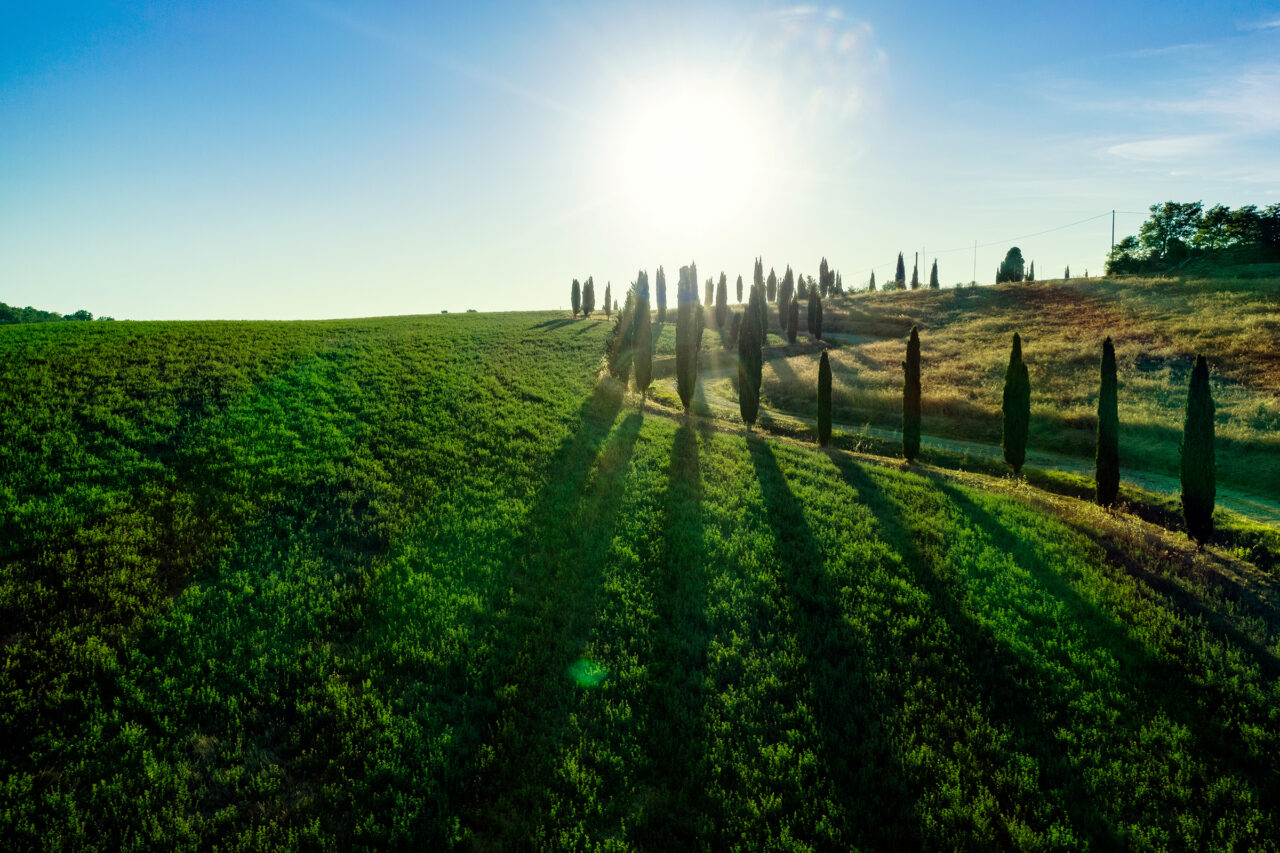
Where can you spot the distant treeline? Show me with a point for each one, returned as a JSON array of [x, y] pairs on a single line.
[[10, 314], [1176, 232]]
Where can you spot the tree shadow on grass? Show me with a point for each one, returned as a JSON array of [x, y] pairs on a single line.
[[855, 740], [555, 324], [997, 679], [673, 815], [1158, 684], [545, 608]]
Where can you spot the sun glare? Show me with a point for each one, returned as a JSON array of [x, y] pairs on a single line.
[[688, 156]]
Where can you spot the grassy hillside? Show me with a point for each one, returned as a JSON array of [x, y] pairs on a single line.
[[422, 581], [1158, 325]]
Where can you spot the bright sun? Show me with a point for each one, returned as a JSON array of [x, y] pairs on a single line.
[[688, 156]]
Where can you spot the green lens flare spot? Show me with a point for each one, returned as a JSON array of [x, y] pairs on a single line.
[[584, 673]]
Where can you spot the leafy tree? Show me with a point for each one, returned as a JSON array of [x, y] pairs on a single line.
[[793, 321], [588, 297], [688, 335], [934, 284], [662, 296], [1169, 221], [575, 297], [1107, 457], [1213, 230], [900, 275], [739, 289], [643, 337], [871, 287], [1198, 484], [722, 301], [786, 292], [915, 276], [606, 298], [824, 400], [1127, 256], [1012, 268], [911, 398], [1016, 408], [771, 287], [1245, 226], [751, 358]]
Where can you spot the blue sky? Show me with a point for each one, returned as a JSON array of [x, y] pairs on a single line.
[[315, 159]]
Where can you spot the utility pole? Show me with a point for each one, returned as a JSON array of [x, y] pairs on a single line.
[[1113, 230], [975, 262]]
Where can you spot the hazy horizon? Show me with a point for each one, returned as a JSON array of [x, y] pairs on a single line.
[[319, 160]]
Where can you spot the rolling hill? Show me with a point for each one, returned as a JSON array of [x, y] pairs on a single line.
[[427, 581]]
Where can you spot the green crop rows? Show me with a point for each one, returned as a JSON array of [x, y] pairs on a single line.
[[416, 582]]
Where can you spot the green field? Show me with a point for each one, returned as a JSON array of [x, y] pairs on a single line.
[[425, 582]]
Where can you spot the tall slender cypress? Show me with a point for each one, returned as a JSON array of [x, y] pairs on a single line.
[[911, 398], [812, 309], [793, 322], [933, 276], [915, 277], [686, 336], [588, 297], [785, 294], [710, 288], [900, 275], [1016, 408], [643, 337], [871, 286], [750, 359], [823, 284], [771, 287], [575, 297], [1199, 488], [722, 301], [1107, 457], [608, 306], [739, 289], [662, 296], [824, 400]]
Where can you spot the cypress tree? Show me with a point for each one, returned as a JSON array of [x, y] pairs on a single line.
[[739, 289], [1107, 457], [757, 275], [643, 337], [750, 358], [802, 289], [1066, 273], [722, 301], [839, 284], [793, 321], [1198, 484], [915, 277], [686, 336], [812, 308], [662, 296], [771, 287], [871, 288], [710, 291], [900, 275], [588, 297], [933, 276], [817, 320], [785, 293], [761, 314], [824, 400], [1016, 408], [606, 299], [699, 326], [735, 329], [823, 286], [1031, 273], [575, 297], [911, 398]]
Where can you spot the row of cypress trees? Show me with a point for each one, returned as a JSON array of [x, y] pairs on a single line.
[[583, 297], [1197, 456]]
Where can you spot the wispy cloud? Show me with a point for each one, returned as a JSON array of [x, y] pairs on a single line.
[[1168, 50], [1167, 149], [1251, 100], [1271, 23]]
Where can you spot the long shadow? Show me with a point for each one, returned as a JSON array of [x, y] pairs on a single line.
[[675, 775], [545, 608], [1188, 702], [841, 672], [555, 324], [998, 680]]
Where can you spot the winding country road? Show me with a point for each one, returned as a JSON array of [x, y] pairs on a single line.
[[718, 365]]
